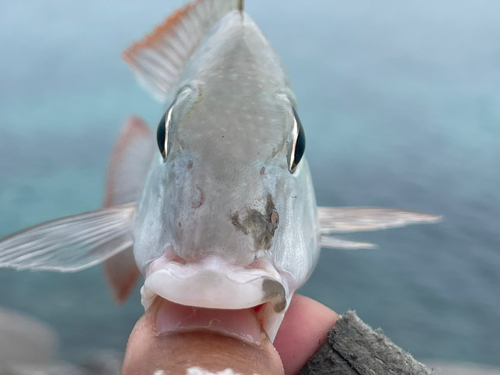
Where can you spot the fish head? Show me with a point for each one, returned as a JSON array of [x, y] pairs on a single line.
[[229, 201]]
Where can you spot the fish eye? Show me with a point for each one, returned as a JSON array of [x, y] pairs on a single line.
[[298, 144], [162, 133]]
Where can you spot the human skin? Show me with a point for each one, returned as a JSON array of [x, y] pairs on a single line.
[[302, 332]]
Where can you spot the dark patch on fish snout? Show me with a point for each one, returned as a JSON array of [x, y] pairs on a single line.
[[235, 220], [261, 226]]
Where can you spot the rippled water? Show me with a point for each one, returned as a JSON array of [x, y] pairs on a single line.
[[401, 105]]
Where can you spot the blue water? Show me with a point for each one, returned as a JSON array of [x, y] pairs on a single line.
[[401, 105]]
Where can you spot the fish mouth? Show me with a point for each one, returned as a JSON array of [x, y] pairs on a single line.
[[215, 284]]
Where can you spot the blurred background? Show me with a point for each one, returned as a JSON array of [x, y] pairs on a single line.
[[400, 102]]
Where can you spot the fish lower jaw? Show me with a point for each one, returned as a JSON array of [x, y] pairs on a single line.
[[210, 285]]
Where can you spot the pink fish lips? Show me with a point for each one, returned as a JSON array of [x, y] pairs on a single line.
[[213, 287]]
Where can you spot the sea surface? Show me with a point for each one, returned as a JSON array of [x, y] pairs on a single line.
[[400, 102]]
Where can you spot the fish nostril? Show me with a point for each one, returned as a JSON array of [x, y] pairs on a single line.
[[198, 198], [178, 259], [256, 264]]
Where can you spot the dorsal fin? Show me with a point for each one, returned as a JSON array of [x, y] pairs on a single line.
[[159, 58]]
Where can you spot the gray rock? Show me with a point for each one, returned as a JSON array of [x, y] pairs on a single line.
[[458, 368], [103, 362], [25, 340], [43, 369]]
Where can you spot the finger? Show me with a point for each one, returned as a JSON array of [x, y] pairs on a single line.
[[175, 339], [302, 332]]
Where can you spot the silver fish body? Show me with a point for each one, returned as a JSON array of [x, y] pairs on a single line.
[[225, 190], [225, 215]]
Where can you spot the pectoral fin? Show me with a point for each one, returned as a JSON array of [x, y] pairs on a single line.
[[128, 168], [71, 243], [360, 219], [340, 243]]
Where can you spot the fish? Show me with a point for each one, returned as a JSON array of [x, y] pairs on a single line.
[[216, 207]]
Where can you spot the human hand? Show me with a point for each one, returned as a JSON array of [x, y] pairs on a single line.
[[302, 332]]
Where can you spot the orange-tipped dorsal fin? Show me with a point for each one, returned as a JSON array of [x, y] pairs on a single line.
[[159, 58]]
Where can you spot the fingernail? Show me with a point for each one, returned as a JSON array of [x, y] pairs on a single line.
[[242, 324]]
